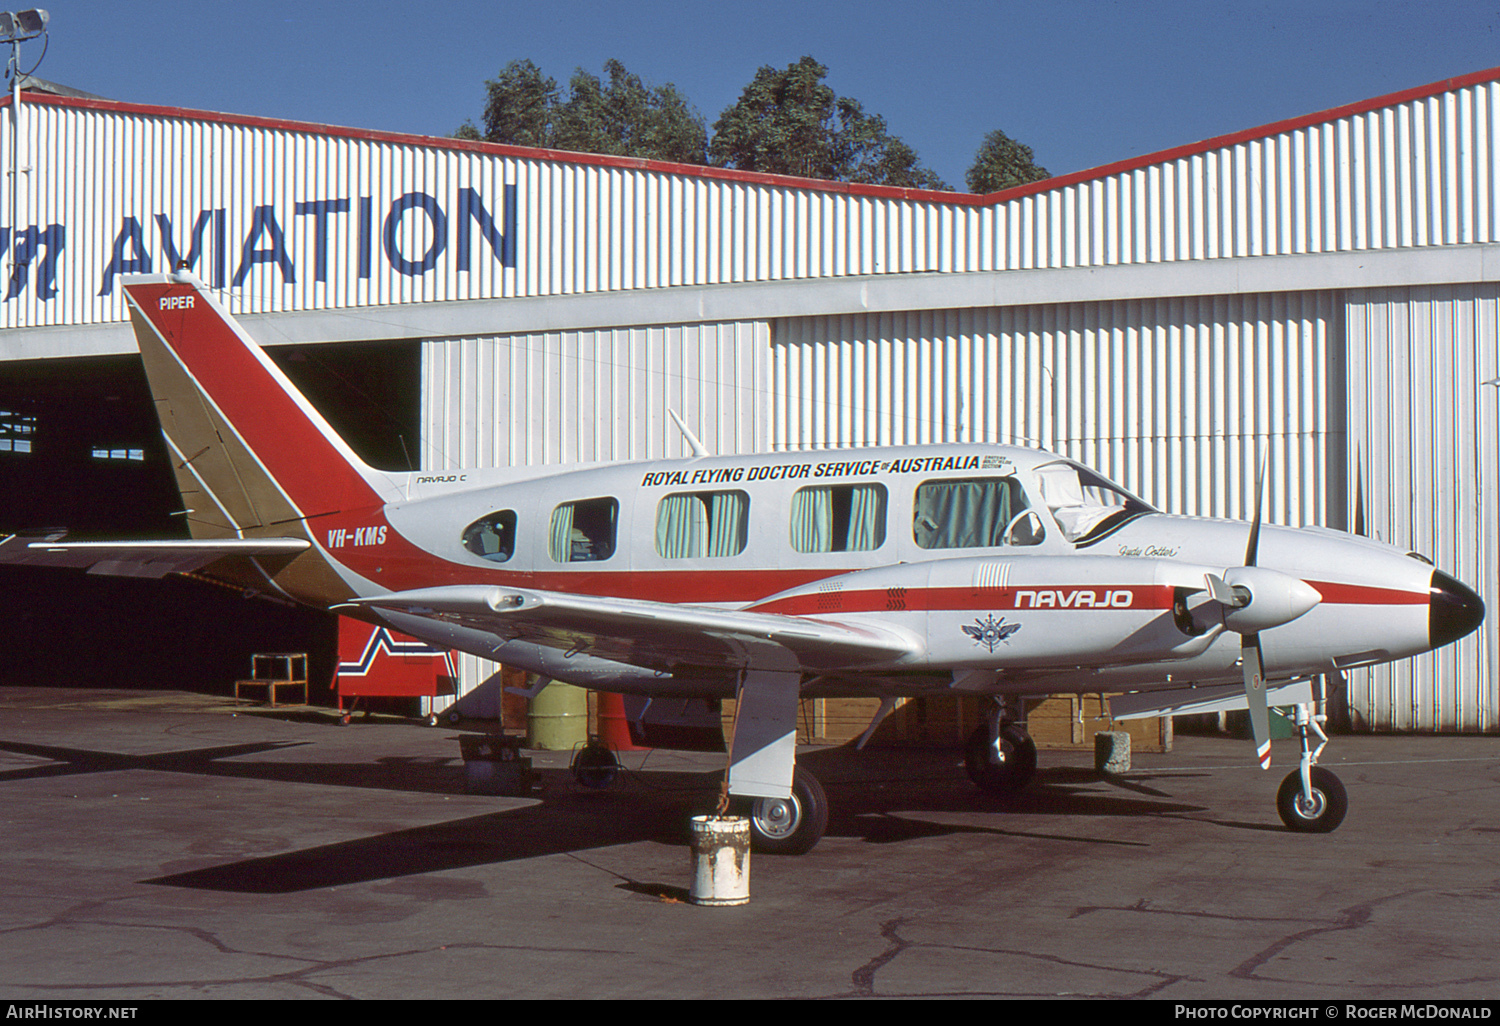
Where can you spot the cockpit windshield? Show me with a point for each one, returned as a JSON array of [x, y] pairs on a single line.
[[1086, 506]]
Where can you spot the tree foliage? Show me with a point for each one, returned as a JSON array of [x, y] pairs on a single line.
[[787, 121], [1002, 163], [623, 117]]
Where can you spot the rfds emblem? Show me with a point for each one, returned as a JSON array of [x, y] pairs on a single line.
[[990, 632]]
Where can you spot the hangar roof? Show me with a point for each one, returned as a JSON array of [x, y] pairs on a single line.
[[325, 233]]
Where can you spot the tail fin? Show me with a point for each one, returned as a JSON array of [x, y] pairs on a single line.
[[253, 458]]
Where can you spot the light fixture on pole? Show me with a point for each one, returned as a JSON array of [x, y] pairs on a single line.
[[15, 29]]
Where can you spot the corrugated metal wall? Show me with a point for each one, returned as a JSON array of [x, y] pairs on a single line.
[[1173, 398], [399, 221], [1424, 467], [585, 396]]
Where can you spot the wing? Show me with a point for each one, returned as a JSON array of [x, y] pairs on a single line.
[[656, 635], [142, 558]]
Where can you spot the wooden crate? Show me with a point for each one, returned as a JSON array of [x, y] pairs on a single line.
[[1058, 722]]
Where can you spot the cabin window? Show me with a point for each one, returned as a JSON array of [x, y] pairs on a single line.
[[492, 537], [973, 513], [1085, 505], [839, 518], [697, 524], [583, 531]]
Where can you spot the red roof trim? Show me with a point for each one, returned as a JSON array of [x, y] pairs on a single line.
[[787, 181]]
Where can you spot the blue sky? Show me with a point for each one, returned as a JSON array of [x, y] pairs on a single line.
[[1083, 82]]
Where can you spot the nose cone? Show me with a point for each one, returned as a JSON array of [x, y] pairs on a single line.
[[1453, 610]]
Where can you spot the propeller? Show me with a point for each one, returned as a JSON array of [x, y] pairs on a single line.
[[1250, 655], [1254, 599]]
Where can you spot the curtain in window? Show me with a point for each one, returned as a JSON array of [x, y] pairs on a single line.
[[681, 526], [866, 518], [962, 514], [560, 537], [726, 535], [812, 520]]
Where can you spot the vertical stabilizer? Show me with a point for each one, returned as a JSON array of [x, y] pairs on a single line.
[[252, 457]]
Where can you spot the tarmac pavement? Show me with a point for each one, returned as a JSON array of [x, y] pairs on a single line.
[[169, 845]]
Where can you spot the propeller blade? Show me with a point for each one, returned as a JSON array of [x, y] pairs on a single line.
[[1252, 548], [1255, 698]]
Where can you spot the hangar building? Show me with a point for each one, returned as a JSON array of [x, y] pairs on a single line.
[[1321, 292]]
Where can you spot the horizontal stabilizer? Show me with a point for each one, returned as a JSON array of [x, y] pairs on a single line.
[[152, 559], [1190, 701]]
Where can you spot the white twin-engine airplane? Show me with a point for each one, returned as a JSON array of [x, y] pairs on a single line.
[[891, 573]]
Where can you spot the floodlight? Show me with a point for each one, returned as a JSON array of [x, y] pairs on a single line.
[[15, 28]]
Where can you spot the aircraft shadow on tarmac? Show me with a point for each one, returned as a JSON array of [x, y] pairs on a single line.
[[923, 796]]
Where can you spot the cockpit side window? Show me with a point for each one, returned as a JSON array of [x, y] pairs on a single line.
[[973, 513], [492, 537], [1086, 506], [583, 531]]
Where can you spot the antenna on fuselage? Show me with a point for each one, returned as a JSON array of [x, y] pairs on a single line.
[[696, 447]]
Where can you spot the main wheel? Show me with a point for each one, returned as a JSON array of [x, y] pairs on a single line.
[[1002, 767], [1320, 815], [790, 826]]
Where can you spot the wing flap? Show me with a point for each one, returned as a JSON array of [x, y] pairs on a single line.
[[652, 634]]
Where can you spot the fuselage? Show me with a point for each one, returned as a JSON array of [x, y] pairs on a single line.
[[1020, 570]]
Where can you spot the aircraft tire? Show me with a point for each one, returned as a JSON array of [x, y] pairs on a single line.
[[1330, 803], [1000, 777], [791, 826]]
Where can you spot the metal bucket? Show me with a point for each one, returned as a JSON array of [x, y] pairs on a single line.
[[721, 860], [559, 718]]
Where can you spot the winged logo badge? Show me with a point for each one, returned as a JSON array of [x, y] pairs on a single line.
[[990, 632]]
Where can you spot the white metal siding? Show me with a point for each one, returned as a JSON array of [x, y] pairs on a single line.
[[1413, 174], [1424, 467], [1175, 399], [585, 396]]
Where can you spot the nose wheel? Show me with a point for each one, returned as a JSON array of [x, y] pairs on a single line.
[[1316, 809], [1311, 800]]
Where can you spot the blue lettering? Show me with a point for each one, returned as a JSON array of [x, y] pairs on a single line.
[[503, 246], [439, 221], [119, 263], [28, 243], [195, 247], [264, 221], [366, 217], [320, 209]]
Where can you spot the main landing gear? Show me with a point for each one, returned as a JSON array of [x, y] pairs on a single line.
[[789, 826], [1000, 756]]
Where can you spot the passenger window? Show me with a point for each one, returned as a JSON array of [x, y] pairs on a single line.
[[584, 531], [839, 518], [698, 524], [971, 514], [493, 537]]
